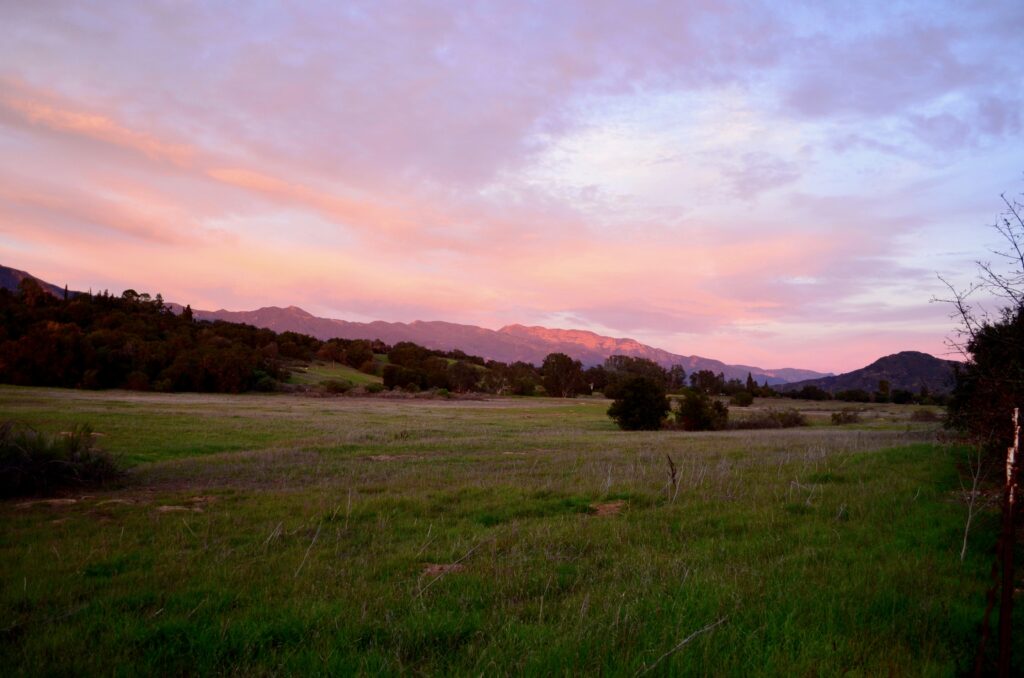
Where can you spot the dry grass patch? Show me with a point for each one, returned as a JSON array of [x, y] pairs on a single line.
[[609, 508]]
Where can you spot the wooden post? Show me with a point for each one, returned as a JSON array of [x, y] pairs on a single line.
[[1006, 548]]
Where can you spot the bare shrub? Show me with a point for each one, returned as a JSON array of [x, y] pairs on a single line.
[[846, 416]]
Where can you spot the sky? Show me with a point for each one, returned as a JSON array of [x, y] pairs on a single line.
[[775, 184]]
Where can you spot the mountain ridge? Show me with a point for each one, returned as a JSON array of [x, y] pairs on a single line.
[[513, 342], [10, 279], [507, 344]]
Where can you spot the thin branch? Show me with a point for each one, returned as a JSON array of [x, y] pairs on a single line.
[[309, 548], [647, 669], [972, 500], [467, 555]]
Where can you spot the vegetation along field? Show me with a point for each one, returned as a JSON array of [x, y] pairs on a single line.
[[268, 534]]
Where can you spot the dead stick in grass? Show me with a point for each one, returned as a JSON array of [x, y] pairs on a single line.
[[972, 498], [672, 476], [681, 645], [467, 555], [309, 548]]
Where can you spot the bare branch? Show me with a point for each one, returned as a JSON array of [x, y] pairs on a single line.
[[647, 669]]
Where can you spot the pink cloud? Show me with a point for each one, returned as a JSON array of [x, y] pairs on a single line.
[[376, 159]]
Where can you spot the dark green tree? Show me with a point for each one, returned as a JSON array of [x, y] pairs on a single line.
[[990, 382], [707, 382], [700, 412], [676, 378], [640, 405], [463, 376], [562, 376]]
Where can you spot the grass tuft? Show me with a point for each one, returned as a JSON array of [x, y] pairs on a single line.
[[33, 463]]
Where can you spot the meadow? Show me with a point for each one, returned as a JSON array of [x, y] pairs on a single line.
[[287, 534]]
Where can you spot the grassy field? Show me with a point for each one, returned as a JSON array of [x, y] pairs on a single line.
[[319, 371], [271, 534]]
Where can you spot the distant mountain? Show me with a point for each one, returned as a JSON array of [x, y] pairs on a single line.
[[510, 343], [10, 278], [908, 370]]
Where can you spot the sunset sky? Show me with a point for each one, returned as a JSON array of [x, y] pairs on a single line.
[[775, 183]]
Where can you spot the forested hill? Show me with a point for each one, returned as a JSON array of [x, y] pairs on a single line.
[[906, 371], [134, 342]]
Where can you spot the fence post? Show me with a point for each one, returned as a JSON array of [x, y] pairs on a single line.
[[1007, 545]]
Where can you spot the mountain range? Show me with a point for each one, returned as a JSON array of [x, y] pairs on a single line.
[[508, 344], [908, 370]]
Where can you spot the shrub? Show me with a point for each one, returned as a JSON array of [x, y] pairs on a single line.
[[700, 412], [374, 387], [34, 463], [771, 418], [846, 416], [641, 404], [742, 399], [396, 376], [336, 386]]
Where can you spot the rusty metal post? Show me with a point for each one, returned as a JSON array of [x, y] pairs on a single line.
[[1006, 551]]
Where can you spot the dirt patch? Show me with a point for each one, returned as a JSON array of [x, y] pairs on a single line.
[[178, 509], [46, 502], [110, 502], [609, 508], [439, 569]]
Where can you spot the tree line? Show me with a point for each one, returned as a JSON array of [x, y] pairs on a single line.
[[135, 341]]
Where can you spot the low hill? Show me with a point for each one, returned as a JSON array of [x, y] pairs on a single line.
[[907, 370]]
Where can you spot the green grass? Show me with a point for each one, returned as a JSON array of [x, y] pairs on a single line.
[[300, 532], [318, 372]]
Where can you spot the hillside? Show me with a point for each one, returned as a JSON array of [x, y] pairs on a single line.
[[907, 370], [10, 278], [508, 344]]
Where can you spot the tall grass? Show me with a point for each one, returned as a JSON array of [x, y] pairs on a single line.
[[33, 463], [281, 535]]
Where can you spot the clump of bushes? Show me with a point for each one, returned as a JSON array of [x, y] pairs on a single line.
[[700, 412], [742, 399], [846, 416], [33, 463], [337, 386], [640, 404], [771, 418]]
